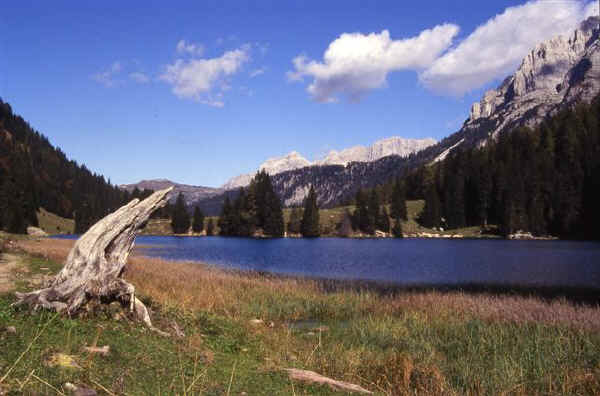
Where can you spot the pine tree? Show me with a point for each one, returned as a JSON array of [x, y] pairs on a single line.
[[310, 219], [373, 211], [225, 218], [397, 229], [274, 220], [210, 227], [360, 219], [198, 220], [383, 220], [431, 216], [180, 220], [398, 204], [293, 226]]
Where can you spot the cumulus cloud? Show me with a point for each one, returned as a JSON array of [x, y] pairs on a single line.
[[139, 77], [205, 80], [107, 77], [356, 63], [496, 48], [189, 48]]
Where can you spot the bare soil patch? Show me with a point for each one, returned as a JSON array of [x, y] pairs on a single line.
[[8, 264]]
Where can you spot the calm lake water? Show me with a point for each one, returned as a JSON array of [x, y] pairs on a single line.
[[402, 262]]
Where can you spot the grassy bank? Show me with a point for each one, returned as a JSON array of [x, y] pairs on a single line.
[[424, 342], [330, 218]]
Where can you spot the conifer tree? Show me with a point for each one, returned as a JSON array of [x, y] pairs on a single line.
[[310, 219], [225, 218], [210, 227], [295, 221], [373, 210], [198, 220], [360, 219], [397, 229], [274, 219], [398, 204], [383, 220], [431, 215], [180, 219]]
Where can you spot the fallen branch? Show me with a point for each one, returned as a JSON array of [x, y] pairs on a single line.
[[104, 351], [312, 377]]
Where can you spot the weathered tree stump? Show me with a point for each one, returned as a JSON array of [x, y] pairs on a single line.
[[95, 264]]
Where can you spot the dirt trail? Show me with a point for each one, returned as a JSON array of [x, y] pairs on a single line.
[[8, 263]]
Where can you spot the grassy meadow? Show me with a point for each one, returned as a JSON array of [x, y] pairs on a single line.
[[242, 330], [53, 224]]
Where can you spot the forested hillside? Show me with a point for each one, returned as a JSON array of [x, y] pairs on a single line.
[[544, 180], [34, 174]]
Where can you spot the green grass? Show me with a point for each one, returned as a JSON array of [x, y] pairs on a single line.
[[54, 224], [381, 343]]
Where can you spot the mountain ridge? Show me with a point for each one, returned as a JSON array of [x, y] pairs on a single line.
[[393, 145]]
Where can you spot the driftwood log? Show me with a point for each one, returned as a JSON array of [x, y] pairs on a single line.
[[96, 262]]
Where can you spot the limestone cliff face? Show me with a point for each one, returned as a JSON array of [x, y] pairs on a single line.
[[554, 75], [394, 145]]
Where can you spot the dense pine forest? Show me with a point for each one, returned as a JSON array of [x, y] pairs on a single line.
[[256, 207], [544, 180], [35, 174]]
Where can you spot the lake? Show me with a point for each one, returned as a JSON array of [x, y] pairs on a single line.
[[572, 264]]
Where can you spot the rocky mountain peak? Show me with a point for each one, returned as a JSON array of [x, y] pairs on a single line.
[[549, 76], [394, 145]]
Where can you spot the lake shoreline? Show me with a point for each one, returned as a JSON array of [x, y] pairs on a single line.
[[248, 326]]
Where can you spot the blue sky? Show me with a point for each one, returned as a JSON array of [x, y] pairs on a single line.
[[198, 92]]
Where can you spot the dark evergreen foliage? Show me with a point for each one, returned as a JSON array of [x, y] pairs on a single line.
[[383, 220], [544, 181], [309, 227], [35, 174], [210, 227], [198, 220], [180, 219], [431, 216], [369, 215], [397, 229], [398, 200], [256, 207], [293, 226]]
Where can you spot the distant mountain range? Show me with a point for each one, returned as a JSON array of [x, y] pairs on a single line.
[[192, 193], [394, 145], [555, 75], [200, 195]]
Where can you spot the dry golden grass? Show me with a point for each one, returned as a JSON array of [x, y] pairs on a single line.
[[417, 342], [193, 286]]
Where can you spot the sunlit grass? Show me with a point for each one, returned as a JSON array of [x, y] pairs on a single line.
[[424, 342]]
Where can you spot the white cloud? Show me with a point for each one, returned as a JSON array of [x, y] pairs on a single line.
[[139, 77], [496, 48], [257, 72], [190, 48], [204, 80], [356, 63], [107, 77]]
